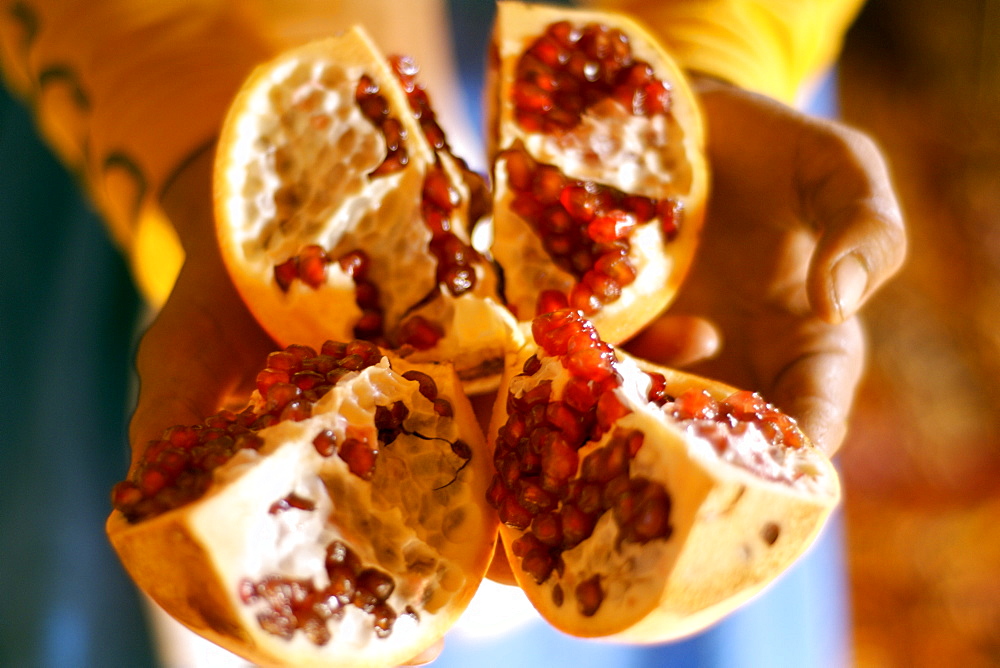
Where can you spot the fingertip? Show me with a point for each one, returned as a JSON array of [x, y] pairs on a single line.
[[677, 340]]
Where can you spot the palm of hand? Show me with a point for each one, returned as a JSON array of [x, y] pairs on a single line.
[[798, 207]]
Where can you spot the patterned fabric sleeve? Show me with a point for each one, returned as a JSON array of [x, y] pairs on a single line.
[[125, 91]]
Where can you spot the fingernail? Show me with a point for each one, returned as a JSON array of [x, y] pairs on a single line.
[[850, 281]]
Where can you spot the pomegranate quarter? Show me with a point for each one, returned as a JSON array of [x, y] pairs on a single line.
[[338, 520], [342, 213], [599, 173], [641, 503]]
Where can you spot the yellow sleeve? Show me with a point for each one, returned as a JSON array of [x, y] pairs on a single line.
[[124, 92], [775, 47]]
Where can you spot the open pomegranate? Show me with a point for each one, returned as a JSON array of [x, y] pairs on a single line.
[[342, 212], [338, 520], [599, 176], [643, 503], [348, 514]]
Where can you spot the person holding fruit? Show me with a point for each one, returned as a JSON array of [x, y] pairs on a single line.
[[802, 227]]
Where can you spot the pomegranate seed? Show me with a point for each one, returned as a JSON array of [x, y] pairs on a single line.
[[695, 405], [355, 264], [360, 457], [443, 407], [651, 519], [589, 596], [312, 263], [513, 514], [285, 273], [497, 492], [550, 300], [547, 527], [657, 388], [419, 332], [576, 525], [426, 385], [533, 498], [538, 564], [559, 463], [289, 502], [745, 405], [325, 443]]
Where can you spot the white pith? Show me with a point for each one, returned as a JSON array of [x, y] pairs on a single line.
[[403, 522], [280, 144], [635, 154]]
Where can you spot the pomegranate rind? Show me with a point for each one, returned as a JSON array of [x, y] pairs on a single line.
[[293, 170], [733, 533], [436, 540], [662, 264]]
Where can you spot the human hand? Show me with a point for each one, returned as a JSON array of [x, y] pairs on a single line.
[[802, 229], [202, 351]]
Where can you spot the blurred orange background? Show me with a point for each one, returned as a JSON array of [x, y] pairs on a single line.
[[922, 464]]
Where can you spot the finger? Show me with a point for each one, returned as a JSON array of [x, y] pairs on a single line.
[[677, 341], [847, 194], [817, 388], [199, 353]]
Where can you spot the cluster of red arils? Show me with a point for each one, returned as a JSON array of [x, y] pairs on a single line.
[[177, 468], [568, 69], [741, 407], [455, 258], [406, 71], [290, 606], [542, 485], [376, 109], [585, 228]]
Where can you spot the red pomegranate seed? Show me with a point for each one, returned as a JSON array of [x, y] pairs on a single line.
[[538, 563], [419, 332], [443, 407], [745, 405], [285, 273], [360, 457], [695, 405], [550, 300], [533, 497], [651, 518], [312, 263], [426, 385], [576, 525], [497, 492], [513, 514], [589, 596], [325, 443], [547, 527], [355, 264], [559, 463], [289, 502]]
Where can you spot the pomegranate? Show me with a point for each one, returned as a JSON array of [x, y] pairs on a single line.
[[639, 502], [337, 520], [598, 169], [342, 212], [349, 512]]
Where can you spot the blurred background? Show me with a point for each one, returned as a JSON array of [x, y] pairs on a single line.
[[921, 465]]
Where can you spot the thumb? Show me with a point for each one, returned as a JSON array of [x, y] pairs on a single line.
[[847, 195]]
